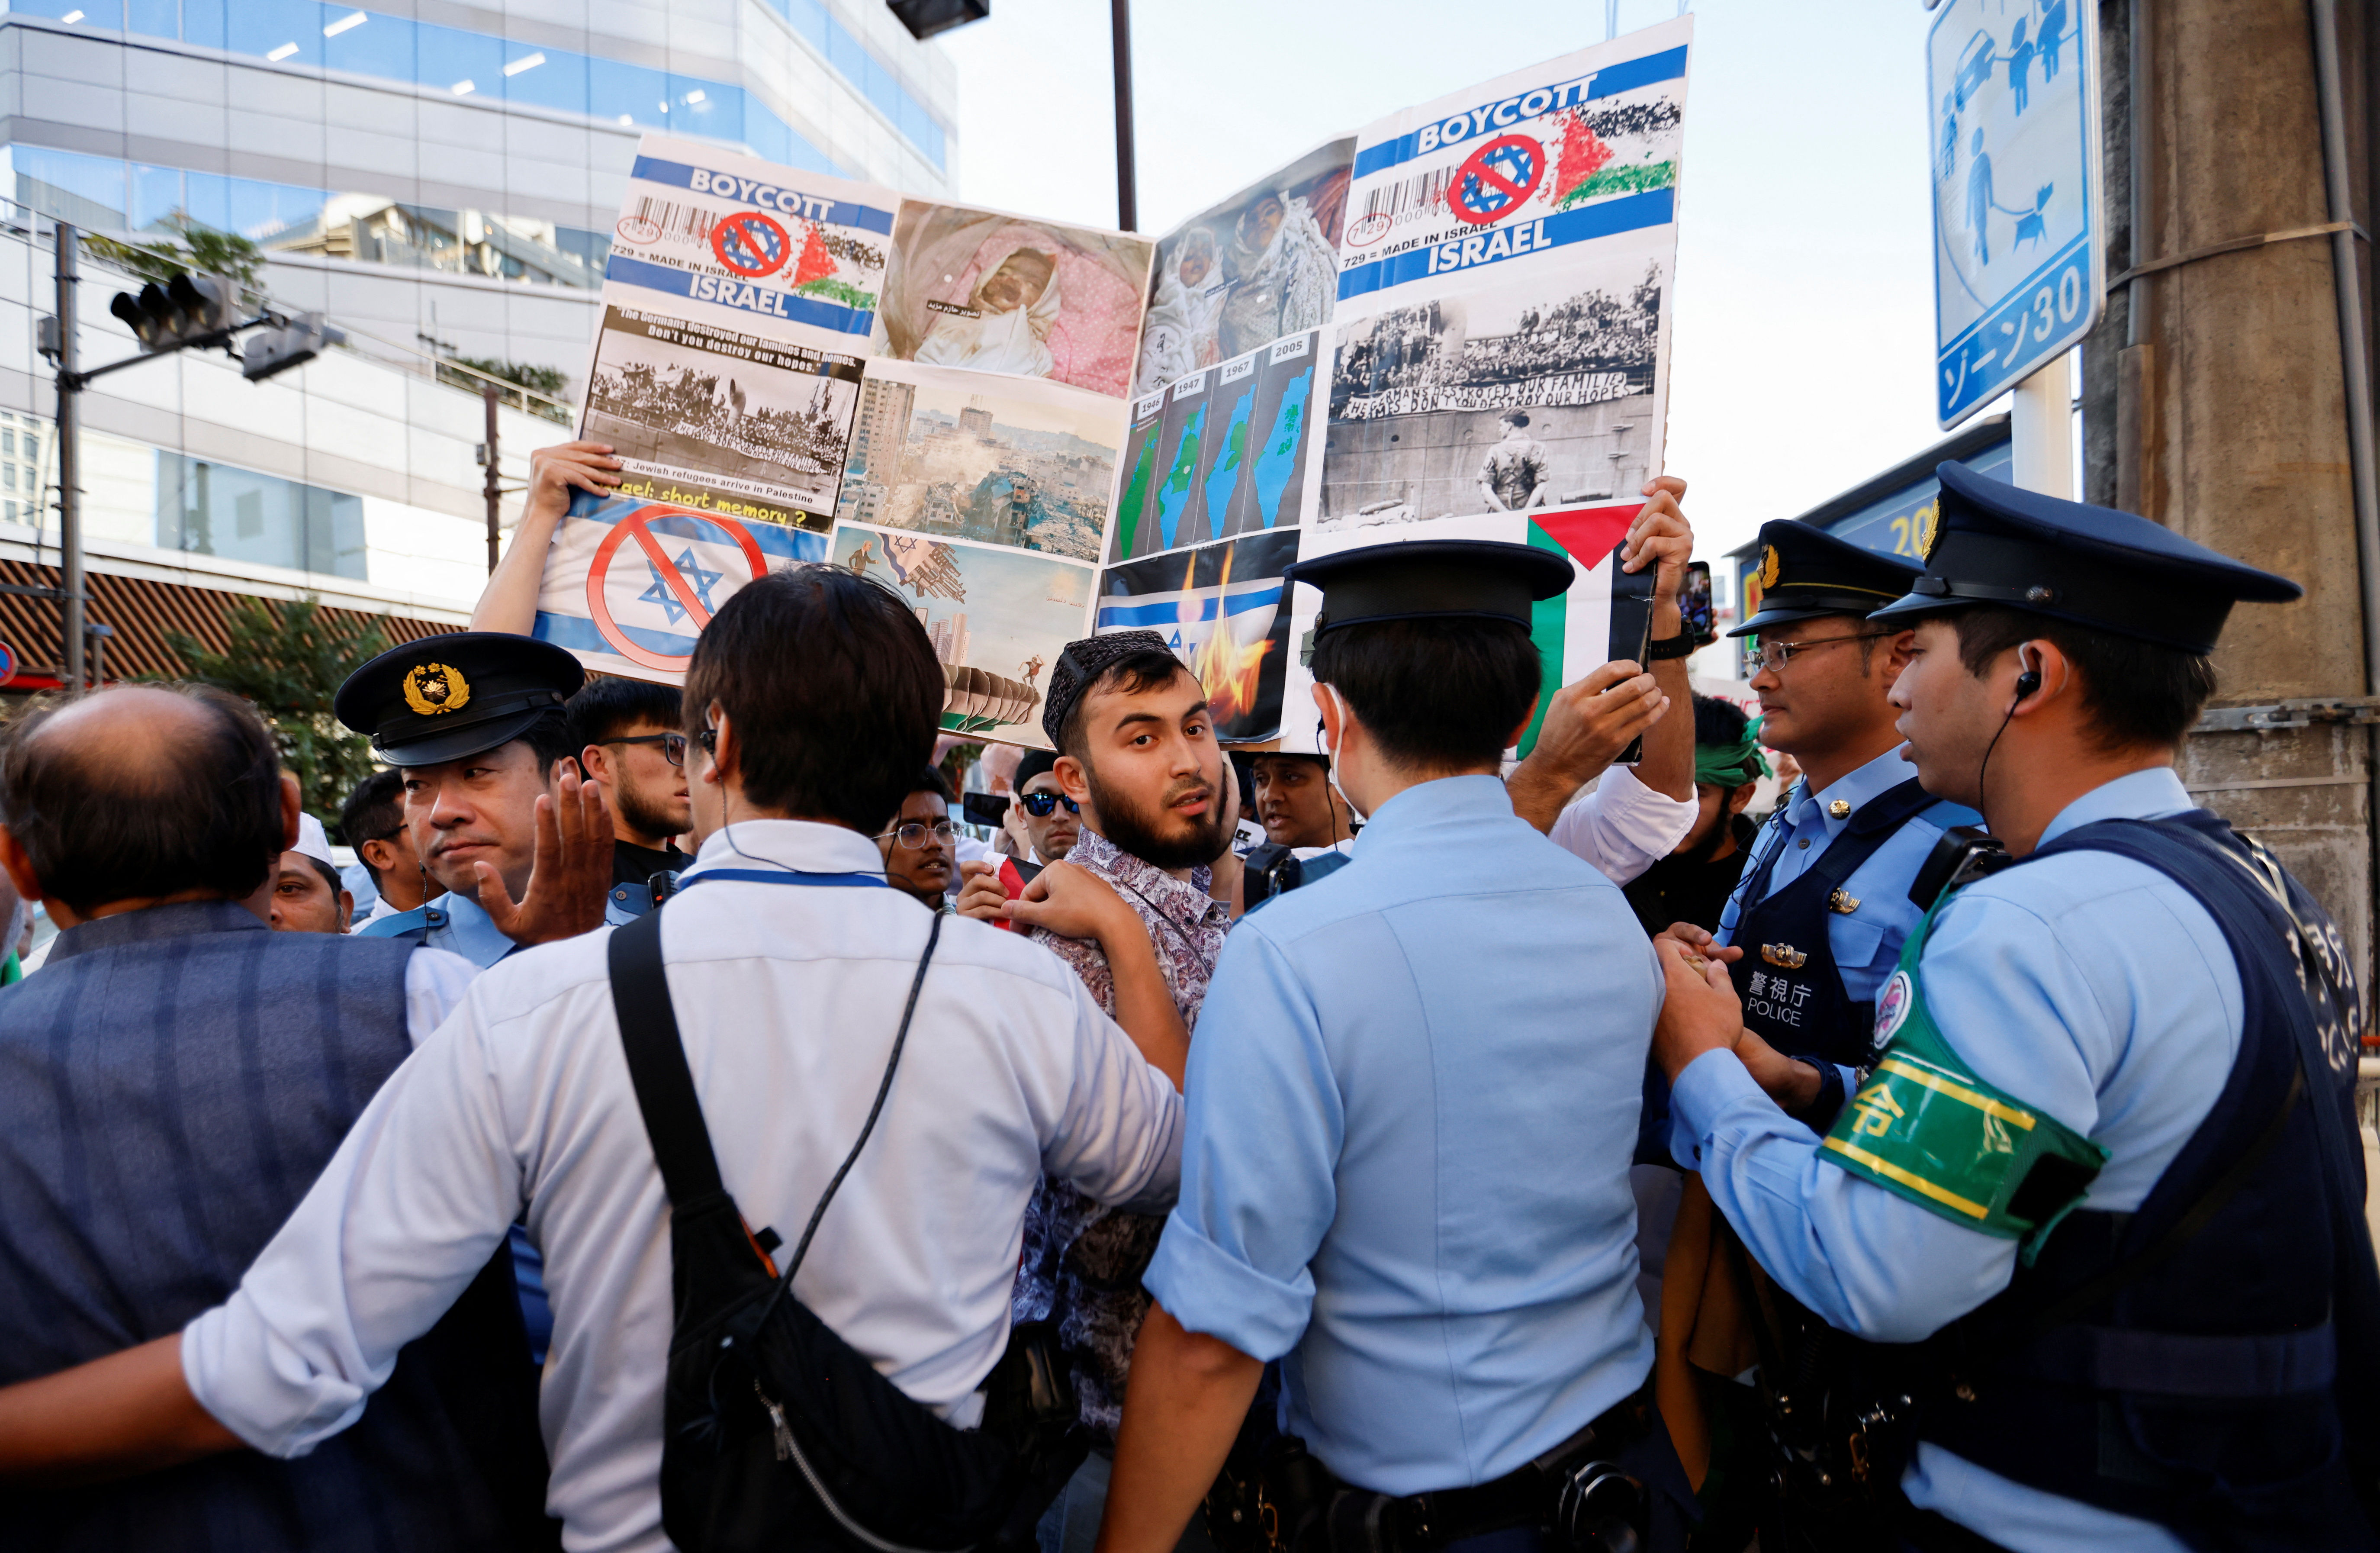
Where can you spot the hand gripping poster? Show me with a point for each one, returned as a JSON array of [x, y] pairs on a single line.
[[1497, 360]]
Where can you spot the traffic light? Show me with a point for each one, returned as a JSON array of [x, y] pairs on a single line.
[[926, 17], [188, 310], [284, 343]]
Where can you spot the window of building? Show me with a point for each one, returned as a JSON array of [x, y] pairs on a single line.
[[468, 64], [208, 508]]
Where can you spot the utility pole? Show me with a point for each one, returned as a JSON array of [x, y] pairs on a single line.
[[70, 611], [490, 488], [1127, 197], [2228, 396]]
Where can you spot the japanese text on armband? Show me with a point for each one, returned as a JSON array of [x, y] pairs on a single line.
[[1926, 1129]]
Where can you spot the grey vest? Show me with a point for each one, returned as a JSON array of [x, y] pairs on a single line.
[[171, 1082]]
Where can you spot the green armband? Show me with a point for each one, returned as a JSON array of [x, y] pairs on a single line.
[[1925, 1128]]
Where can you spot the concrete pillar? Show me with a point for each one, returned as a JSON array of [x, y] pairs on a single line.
[[2215, 399]]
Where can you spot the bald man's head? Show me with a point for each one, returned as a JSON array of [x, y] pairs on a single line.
[[142, 791]]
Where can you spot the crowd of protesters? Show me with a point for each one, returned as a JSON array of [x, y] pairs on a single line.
[[1381, 1150]]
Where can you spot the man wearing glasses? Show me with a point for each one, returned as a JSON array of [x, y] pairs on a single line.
[[1823, 907], [630, 745], [921, 846]]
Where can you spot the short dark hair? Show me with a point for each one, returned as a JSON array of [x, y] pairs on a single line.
[[552, 738], [373, 812], [930, 779], [2137, 692], [1717, 722], [205, 814], [1037, 763], [611, 705], [1437, 694], [834, 688], [1132, 673]]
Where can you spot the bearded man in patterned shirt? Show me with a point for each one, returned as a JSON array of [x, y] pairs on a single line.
[[1159, 801]]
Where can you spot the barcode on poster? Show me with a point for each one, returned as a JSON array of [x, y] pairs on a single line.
[[1393, 200], [671, 216]]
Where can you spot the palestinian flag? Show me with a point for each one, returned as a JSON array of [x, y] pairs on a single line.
[[1606, 612]]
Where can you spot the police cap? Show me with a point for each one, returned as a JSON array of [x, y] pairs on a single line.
[[2090, 565], [1806, 572], [1433, 580], [444, 697]]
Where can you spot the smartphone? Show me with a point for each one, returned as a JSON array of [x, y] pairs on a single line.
[[984, 809], [1694, 603], [1632, 620]]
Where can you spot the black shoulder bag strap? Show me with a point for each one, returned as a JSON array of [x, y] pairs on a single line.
[[664, 1084]]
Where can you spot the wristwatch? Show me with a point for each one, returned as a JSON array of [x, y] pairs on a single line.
[[1678, 646]]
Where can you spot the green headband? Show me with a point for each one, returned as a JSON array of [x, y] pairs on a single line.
[[1732, 765]]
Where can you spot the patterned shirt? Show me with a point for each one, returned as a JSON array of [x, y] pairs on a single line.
[[1082, 1263]]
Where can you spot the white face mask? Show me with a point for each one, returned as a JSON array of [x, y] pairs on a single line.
[[1329, 747]]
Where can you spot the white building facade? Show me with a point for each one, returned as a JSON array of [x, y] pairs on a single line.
[[441, 179]]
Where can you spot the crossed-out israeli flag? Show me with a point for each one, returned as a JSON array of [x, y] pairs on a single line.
[[629, 583]]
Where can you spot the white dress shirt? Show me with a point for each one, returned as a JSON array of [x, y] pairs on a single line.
[[1623, 828], [787, 997], [435, 981]]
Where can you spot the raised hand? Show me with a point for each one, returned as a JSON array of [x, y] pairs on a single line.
[[570, 872]]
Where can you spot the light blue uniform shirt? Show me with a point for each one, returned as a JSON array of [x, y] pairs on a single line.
[[1867, 941], [2089, 986], [459, 924], [1411, 1108]]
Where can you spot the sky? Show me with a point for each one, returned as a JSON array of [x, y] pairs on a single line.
[[1803, 330]]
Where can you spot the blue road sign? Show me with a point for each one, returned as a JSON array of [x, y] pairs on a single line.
[[2020, 269]]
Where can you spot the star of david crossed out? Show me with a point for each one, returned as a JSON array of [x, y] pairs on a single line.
[[701, 582]]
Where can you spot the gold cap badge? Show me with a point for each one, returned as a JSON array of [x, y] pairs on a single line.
[[433, 688], [1767, 566], [1929, 527]]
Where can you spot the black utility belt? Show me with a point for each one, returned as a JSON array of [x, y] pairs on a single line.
[[1577, 1491]]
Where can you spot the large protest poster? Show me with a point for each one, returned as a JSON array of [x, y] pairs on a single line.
[[781, 349], [1212, 487], [1498, 351]]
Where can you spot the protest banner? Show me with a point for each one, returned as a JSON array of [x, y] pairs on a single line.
[[1032, 430], [1500, 347]]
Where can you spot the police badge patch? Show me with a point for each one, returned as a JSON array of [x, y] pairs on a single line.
[[433, 688], [1892, 1007]]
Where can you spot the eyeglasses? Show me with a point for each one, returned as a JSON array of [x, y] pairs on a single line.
[[672, 744], [1041, 805], [913, 834], [1774, 655]]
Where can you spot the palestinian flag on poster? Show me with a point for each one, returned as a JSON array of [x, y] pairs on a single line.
[[1606, 611]]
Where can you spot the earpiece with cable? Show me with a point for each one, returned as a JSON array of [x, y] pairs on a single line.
[[2028, 682]]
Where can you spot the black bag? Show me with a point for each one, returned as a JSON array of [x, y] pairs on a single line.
[[778, 1433]]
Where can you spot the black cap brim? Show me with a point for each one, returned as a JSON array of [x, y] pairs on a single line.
[[454, 743]]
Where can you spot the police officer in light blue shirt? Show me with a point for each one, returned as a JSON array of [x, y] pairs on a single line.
[[493, 800], [1823, 905], [1412, 1105], [2101, 1190], [492, 795]]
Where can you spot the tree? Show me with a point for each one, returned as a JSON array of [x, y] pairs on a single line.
[[193, 247], [289, 659]]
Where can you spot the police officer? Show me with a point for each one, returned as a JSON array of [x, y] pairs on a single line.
[[2103, 1176], [493, 797], [1404, 1174], [1823, 905]]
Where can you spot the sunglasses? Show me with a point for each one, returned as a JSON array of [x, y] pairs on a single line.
[[1041, 805], [913, 835], [672, 744]]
